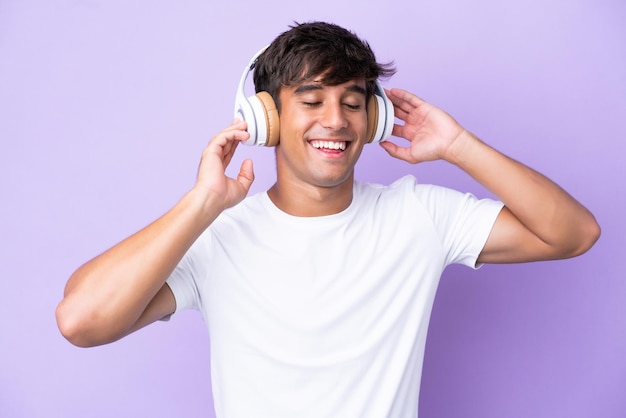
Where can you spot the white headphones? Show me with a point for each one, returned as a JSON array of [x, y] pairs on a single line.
[[263, 122]]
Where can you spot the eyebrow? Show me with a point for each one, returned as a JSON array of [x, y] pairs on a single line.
[[318, 86]]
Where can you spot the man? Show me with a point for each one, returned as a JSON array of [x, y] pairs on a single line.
[[317, 293]]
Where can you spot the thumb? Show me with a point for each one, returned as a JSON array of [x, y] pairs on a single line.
[[391, 148], [398, 152], [246, 174]]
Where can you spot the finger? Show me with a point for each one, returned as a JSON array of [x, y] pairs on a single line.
[[223, 145], [400, 113], [229, 135], [229, 151], [401, 107], [240, 124], [246, 174], [398, 152], [407, 97], [236, 125], [405, 102], [399, 131]]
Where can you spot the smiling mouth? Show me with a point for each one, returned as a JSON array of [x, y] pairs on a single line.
[[329, 145]]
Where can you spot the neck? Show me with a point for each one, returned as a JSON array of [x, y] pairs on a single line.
[[306, 200]]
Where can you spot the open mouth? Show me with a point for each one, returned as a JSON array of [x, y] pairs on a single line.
[[339, 146]]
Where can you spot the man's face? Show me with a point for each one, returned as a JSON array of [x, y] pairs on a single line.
[[322, 132]]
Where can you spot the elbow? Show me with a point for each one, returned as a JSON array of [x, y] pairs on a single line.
[[593, 234], [589, 234], [71, 326], [77, 327]]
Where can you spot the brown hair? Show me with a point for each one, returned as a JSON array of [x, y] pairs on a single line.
[[317, 48]]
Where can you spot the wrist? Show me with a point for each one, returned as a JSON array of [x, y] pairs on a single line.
[[205, 206], [460, 150]]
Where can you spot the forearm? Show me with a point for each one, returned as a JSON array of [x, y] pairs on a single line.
[[540, 221], [543, 207], [106, 296]]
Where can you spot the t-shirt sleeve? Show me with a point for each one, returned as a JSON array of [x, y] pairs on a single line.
[[462, 221], [471, 229], [185, 279]]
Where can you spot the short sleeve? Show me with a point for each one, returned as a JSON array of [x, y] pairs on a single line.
[[463, 222], [471, 228], [192, 268]]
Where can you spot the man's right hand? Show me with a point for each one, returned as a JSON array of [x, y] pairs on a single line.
[[212, 181]]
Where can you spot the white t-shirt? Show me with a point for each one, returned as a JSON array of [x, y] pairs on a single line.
[[327, 316]]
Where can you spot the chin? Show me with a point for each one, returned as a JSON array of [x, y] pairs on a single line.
[[335, 181]]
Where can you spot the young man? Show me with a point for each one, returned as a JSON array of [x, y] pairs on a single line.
[[317, 293]]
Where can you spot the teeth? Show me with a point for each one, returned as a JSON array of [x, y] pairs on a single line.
[[340, 145]]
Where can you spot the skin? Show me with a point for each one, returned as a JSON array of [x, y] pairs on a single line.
[[317, 181], [562, 229], [124, 288]]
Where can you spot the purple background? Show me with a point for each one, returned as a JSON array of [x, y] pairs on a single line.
[[105, 107]]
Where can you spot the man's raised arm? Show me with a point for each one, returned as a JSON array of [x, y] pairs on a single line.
[[540, 220], [124, 288]]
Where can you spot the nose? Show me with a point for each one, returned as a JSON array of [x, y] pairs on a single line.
[[333, 116]]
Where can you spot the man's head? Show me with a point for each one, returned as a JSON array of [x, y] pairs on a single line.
[[321, 78], [315, 49]]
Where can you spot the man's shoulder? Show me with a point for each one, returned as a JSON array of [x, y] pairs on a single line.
[[405, 184], [408, 191]]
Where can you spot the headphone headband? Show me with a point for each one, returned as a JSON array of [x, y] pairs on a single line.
[[244, 107]]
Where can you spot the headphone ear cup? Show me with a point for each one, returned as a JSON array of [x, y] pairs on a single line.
[[244, 110], [379, 123], [380, 117], [259, 111], [372, 118], [272, 121]]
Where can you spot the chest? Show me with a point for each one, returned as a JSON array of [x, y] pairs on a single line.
[[318, 291]]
